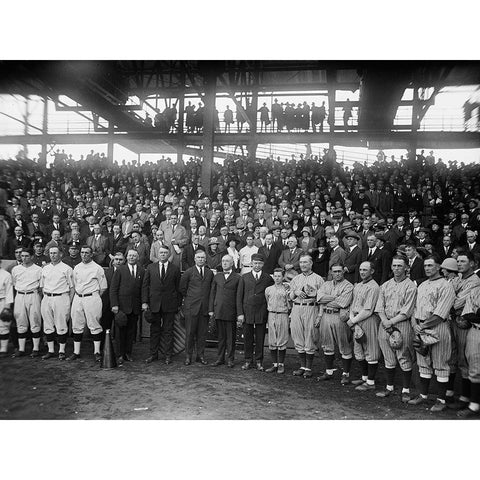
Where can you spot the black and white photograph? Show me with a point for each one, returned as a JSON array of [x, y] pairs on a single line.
[[225, 238]]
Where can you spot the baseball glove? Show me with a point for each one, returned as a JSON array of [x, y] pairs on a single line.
[[395, 338], [420, 346], [359, 334], [472, 317], [462, 322], [6, 315]]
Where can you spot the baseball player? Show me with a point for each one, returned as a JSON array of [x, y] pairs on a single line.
[[463, 287], [26, 309], [435, 298], [335, 297], [303, 293], [56, 283], [278, 307], [395, 305], [472, 353], [6, 302], [362, 313], [90, 282]]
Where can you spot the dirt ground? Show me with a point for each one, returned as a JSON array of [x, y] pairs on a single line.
[[37, 389]]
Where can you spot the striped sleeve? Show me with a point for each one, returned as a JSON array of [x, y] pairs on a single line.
[[8, 290], [409, 299], [380, 306], [464, 291], [345, 297], [371, 296], [473, 301], [446, 297]]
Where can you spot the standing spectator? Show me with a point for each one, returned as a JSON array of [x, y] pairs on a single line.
[[228, 119], [264, 117], [252, 311], [161, 296], [195, 288], [125, 296], [223, 307]]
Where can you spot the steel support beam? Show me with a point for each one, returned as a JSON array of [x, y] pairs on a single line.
[[208, 131]]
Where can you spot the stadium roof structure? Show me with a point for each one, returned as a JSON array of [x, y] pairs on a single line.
[[116, 92]]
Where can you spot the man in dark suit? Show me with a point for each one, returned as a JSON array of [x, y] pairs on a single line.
[[118, 243], [161, 295], [252, 310], [195, 288], [271, 252], [290, 258], [472, 244], [100, 246], [18, 240], [445, 251], [223, 305], [417, 272], [188, 254], [142, 249], [353, 257], [376, 253], [125, 296]]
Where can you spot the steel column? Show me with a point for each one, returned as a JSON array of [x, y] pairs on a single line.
[[208, 130]]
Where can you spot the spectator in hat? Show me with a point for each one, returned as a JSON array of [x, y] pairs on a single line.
[[449, 270], [271, 253], [320, 259], [423, 237], [214, 255], [307, 243], [233, 243], [353, 257], [38, 256], [73, 258]]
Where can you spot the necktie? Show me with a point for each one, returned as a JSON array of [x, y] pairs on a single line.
[[256, 277], [370, 253], [201, 272], [163, 271]]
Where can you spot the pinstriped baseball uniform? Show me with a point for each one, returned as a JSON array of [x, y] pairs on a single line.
[[56, 279], [397, 298], [304, 312], [333, 330], [26, 308], [464, 287], [472, 345], [277, 304], [88, 278], [6, 298], [365, 296], [453, 362], [435, 297]]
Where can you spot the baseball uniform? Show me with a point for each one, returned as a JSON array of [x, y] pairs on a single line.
[[6, 299], [26, 309]]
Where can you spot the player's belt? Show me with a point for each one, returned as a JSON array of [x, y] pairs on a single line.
[[305, 304], [84, 295], [276, 312], [331, 310], [27, 293], [54, 294]]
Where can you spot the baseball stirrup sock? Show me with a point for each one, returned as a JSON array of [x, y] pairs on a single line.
[[274, 355], [451, 385], [346, 365], [303, 360], [424, 384], [466, 388], [281, 356], [329, 361], [364, 367], [475, 393], [407, 378], [372, 371], [309, 361], [442, 389], [390, 372]]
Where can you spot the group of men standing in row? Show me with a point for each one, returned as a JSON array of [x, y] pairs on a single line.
[[438, 321]]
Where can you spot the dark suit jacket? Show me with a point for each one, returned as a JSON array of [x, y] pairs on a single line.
[[101, 249], [196, 291], [143, 251], [286, 257], [161, 294], [117, 245], [417, 273], [381, 260], [188, 256], [126, 291], [271, 257], [223, 296], [441, 252], [251, 300], [352, 262]]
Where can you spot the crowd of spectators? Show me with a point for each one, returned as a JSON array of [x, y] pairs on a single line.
[[309, 204], [282, 117]]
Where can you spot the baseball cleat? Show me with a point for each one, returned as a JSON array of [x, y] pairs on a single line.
[[62, 356], [272, 369], [281, 368], [406, 397], [18, 353], [365, 387], [73, 357], [98, 357], [48, 355], [438, 406], [357, 382], [299, 372], [307, 374], [418, 400], [345, 379], [324, 377], [35, 354], [468, 413], [384, 393], [458, 405]]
